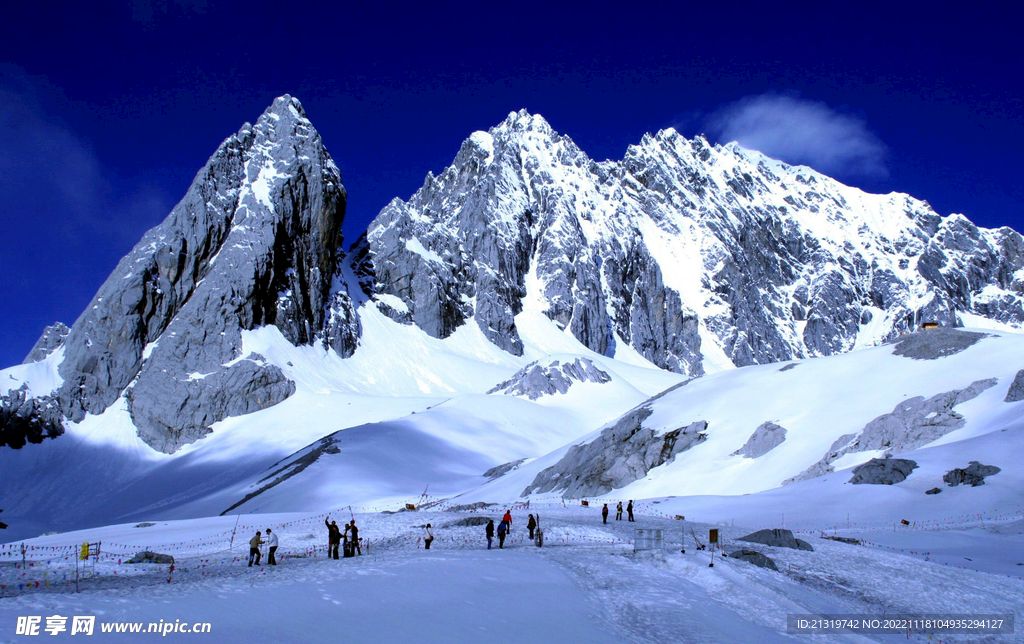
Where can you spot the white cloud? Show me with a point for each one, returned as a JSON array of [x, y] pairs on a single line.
[[801, 131]]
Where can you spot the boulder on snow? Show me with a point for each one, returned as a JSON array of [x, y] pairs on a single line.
[[934, 490], [779, 538], [144, 524], [1016, 391], [883, 471], [469, 522], [147, 557], [935, 343], [973, 475], [765, 438], [470, 507], [756, 558]]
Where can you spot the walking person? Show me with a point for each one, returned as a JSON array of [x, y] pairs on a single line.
[[618, 512], [530, 525], [489, 530], [629, 509], [508, 521], [272, 544], [428, 537], [254, 548], [604, 513], [502, 531], [333, 538]]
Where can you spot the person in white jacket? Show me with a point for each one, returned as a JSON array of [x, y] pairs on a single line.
[[428, 537], [272, 542]]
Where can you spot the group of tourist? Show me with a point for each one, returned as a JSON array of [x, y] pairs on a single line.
[[618, 511], [347, 538]]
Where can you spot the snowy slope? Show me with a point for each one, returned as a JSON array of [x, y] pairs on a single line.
[[100, 471], [816, 401]]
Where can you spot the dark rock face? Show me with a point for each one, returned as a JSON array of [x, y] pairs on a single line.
[[974, 474], [778, 538], [1016, 391], [935, 343], [883, 471], [254, 242], [51, 340], [28, 420], [765, 438], [756, 558], [536, 380], [934, 490], [624, 452]]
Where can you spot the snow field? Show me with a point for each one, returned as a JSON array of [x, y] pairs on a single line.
[[586, 581]]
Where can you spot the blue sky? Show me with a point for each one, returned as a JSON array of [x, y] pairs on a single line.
[[107, 111]]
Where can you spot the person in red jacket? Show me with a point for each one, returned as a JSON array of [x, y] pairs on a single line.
[[508, 521]]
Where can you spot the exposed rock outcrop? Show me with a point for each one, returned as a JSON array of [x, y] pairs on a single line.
[[148, 557], [778, 538], [24, 419], [765, 438], [974, 474], [51, 340], [503, 469], [624, 452], [536, 379], [915, 422], [468, 522], [1016, 391], [755, 557], [933, 344], [883, 471]]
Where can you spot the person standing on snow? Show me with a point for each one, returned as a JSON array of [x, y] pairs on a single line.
[[354, 535], [428, 537], [489, 530], [604, 513], [618, 512], [530, 525], [508, 521], [629, 509], [333, 538], [272, 545], [502, 531], [254, 548]]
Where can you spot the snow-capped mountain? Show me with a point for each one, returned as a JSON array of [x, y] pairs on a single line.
[[699, 257], [516, 304]]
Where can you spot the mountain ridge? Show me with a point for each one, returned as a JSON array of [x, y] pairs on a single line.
[[698, 257]]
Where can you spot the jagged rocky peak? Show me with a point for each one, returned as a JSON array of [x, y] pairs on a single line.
[[254, 242], [51, 340], [682, 250]]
